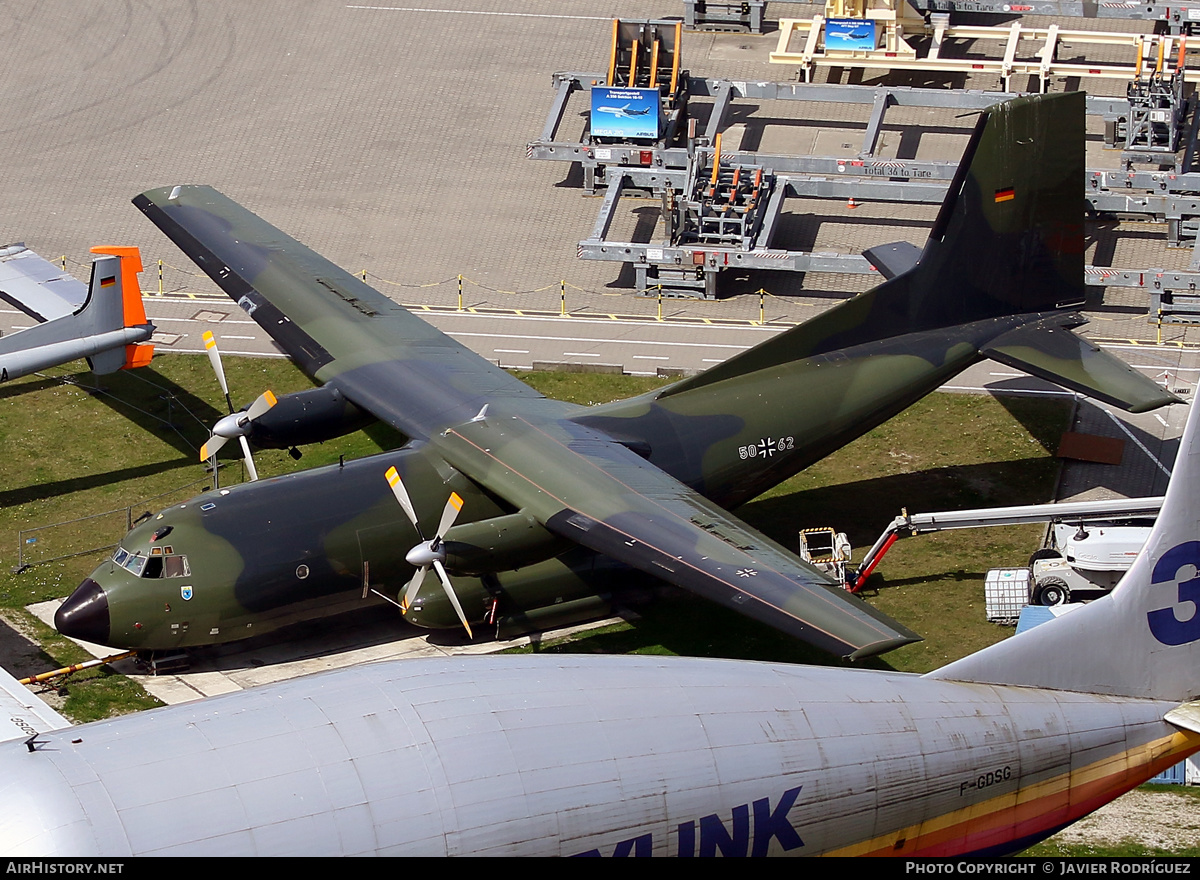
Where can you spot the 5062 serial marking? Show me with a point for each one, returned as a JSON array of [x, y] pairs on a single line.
[[767, 447]]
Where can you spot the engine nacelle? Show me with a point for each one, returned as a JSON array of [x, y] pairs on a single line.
[[307, 417], [499, 544]]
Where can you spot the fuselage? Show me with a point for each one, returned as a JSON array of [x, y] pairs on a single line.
[[564, 755]]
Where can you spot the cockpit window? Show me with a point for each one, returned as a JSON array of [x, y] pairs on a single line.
[[135, 563]]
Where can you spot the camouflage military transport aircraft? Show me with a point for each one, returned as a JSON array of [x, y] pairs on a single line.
[[545, 505]]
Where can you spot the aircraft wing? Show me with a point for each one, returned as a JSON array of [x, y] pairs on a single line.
[[333, 325], [591, 490], [38, 288], [23, 714]]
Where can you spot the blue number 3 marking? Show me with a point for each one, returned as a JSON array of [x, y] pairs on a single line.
[[1164, 624]]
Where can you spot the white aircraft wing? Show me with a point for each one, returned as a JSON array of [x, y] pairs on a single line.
[[22, 713], [37, 287]]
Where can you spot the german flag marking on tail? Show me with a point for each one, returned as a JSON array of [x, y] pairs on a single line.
[[1005, 195]]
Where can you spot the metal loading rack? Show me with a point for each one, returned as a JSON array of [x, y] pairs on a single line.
[[678, 266], [645, 55], [641, 102], [1173, 18], [704, 239], [817, 49], [725, 209], [1157, 106], [653, 166]]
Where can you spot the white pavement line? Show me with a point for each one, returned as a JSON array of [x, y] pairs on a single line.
[[1160, 368], [1120, 424], [581, 354], [1007, 391], [253, 354], [223, 323], [602, 320], [599, 340], [477, 12], [510, 351]]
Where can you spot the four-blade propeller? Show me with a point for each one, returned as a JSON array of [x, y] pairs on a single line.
[[236, 424], [428, 553]]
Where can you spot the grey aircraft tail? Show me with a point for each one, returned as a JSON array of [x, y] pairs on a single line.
[[116, 310], [1003, 263], [109, 329], [1143, 639]]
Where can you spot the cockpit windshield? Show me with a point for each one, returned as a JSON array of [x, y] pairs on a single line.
[[161, 562]]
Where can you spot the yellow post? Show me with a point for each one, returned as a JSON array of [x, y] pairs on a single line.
[[364, 276], [612, 57], [460, 293], [160, 278], [761, 295], [562, 297], [63, 260], [660, 302]]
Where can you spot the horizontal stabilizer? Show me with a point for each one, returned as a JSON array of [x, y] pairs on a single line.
[[1186, 716], [1048, 350], [893, 259]]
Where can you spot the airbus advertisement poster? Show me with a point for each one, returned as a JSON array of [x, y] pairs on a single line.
[[850, 33], [623, 113]]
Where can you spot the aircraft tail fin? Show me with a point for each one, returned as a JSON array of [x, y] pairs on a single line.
[[1009, 236], [104, 312], [1006, 250], [1142, 640]]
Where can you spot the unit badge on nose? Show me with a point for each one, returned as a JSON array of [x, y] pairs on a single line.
[[185, 592]]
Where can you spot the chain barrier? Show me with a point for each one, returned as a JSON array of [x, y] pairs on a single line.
[[180, 286]]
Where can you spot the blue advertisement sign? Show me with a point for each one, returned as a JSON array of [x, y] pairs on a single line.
[[624, 114], [850, 34]]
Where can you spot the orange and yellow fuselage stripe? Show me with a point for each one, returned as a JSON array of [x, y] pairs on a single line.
[[1033, 810]]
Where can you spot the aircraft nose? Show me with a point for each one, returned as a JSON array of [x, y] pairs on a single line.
[[85, 614]]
